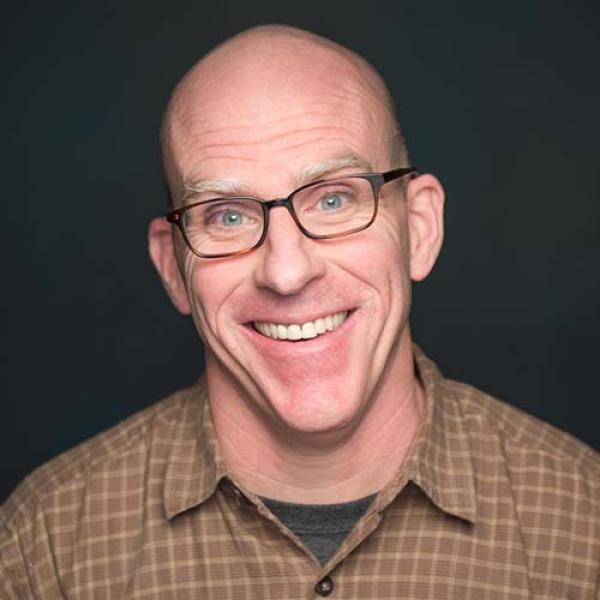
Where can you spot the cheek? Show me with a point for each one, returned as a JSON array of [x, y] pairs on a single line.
[[195, 296], [210, 284], [379, 254], [385, 267], [395, 247], [204, 297]]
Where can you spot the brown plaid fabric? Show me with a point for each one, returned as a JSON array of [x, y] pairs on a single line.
[[490, 504]]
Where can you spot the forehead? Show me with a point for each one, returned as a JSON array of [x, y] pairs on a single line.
[[194, 185], [257, 113]]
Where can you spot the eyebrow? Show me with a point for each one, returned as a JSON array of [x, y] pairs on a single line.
[[230, 186], [220, 185], [329, 166]]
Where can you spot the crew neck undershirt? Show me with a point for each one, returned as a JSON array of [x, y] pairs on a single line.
[[321, 527]]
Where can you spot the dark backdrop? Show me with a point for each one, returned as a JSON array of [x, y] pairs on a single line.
[[500, 100]]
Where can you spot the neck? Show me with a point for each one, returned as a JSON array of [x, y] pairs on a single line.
[[324, 467]]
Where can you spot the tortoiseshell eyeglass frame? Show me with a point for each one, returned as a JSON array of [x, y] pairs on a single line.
[[377, 180]]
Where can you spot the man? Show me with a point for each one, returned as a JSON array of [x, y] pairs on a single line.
[[322, 453]]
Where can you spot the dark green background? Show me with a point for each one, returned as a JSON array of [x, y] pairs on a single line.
[[500, 100]]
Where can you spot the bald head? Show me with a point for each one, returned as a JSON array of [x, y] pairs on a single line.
[[259, 77]]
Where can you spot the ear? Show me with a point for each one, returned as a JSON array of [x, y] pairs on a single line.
[[162, 253], [425, 201]]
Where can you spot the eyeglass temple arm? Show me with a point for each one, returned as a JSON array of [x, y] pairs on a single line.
[[397, 173]]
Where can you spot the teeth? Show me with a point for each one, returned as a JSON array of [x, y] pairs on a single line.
[[305, 331], [329, 323], [308, 331], [294, 332]]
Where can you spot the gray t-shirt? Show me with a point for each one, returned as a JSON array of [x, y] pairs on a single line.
[[322, 527]]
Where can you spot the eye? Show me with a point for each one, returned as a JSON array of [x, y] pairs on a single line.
[[228, 217], [231, 218], [329, 200], [332, 201]]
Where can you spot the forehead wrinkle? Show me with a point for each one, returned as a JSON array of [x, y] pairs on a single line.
[[213, 150], [260, 137], [195, 123]]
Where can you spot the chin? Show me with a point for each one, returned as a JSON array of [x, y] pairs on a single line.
[[317, 410]]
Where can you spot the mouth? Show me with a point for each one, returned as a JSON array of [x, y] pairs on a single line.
[[301, 331]]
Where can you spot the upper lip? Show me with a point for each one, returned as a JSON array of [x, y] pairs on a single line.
[[294, 319]]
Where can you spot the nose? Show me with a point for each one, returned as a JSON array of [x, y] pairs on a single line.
[[287, 260]]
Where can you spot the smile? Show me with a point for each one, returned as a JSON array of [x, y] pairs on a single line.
[[304, 331]]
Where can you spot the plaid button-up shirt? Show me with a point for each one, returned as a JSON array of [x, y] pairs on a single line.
[[490, 504]]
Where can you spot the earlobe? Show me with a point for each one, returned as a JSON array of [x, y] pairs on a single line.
[[425, 197], [162, 253]]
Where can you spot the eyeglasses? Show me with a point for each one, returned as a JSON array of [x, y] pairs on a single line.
[[322, 210]]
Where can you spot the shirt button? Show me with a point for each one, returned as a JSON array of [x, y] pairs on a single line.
[[325, 586]]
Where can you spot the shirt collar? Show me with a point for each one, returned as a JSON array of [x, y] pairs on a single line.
[[439, 463], [441, 460], [194, 466]]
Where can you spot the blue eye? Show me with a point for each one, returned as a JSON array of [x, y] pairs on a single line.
[[231, 218], [225, 217], [331, 202]]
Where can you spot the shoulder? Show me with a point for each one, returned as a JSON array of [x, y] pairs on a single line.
[[544, 464], [521, 431], [535, 489], [109, 453]]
